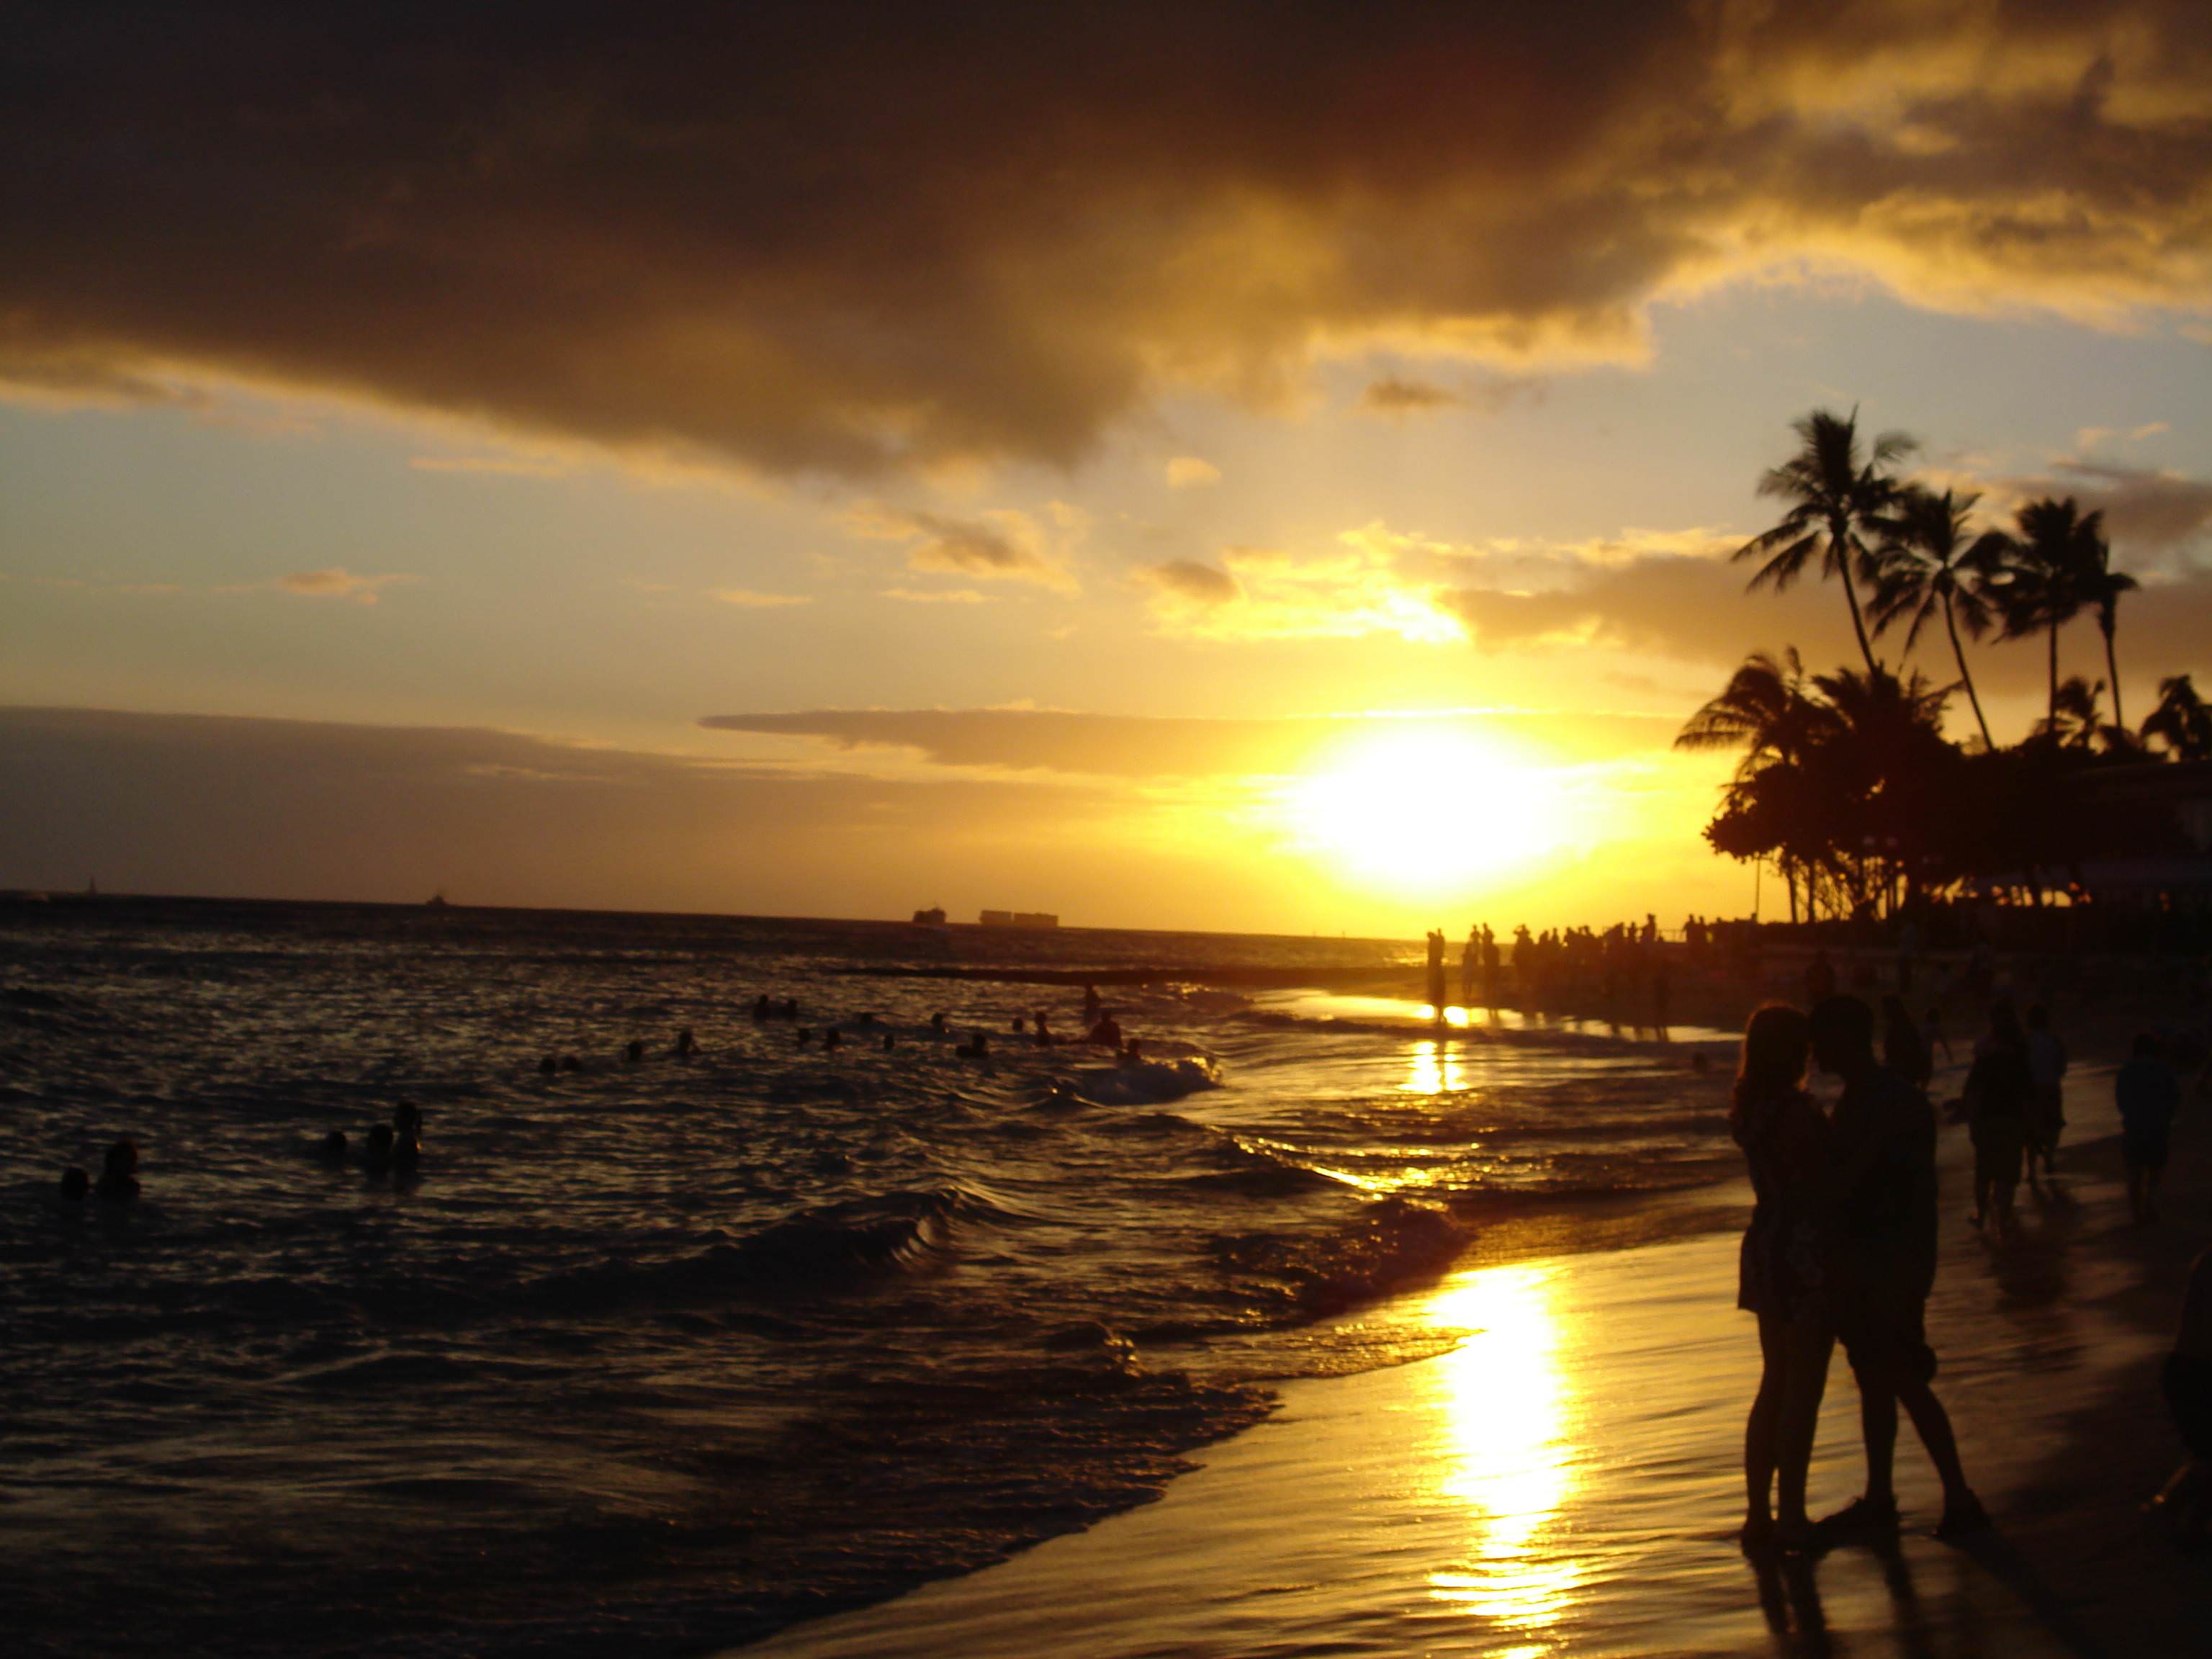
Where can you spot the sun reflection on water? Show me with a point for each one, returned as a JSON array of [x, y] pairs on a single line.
[[1434, 1069], [1507, 1413]]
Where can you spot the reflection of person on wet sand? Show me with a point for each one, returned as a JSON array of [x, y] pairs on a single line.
[[1780, 1273], [1883, 1237]]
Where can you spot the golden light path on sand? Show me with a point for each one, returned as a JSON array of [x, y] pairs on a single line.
[[1508, 1409]]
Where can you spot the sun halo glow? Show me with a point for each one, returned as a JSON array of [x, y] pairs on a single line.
[[1424, 811]]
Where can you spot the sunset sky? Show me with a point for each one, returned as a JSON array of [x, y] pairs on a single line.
[[1266, 467]]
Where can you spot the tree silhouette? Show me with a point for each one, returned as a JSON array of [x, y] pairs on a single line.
[[2074, 719], [2181, 721], [1839, 502], [1763, 710], [1932, 565], [2101, 587], [2048, 574]]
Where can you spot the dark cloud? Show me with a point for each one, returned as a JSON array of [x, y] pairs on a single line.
[[1189, 579], [2145, 511], [151, 803], [847, 238], [1396, 395], [1141, 746], [1003, 545]]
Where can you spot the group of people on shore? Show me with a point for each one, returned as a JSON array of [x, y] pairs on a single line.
[[1841, 1245]]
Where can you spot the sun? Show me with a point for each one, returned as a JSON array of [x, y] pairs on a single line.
[[1424, 812]]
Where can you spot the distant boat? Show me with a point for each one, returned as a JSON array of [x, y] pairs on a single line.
[[932, 917], [436, 901], [1019, 919]]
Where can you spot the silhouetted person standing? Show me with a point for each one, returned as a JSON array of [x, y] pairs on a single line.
[[1781, 1272], [2047, 1105], [1470, 960], [1882, 1226], [1436, 973], [1998, 1087], [2149, 1095]]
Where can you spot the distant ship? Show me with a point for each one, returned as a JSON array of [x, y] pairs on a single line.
[[1019, 919], [436, 901], [932, 917]]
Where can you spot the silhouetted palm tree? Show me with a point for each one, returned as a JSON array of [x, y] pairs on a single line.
[[2048, 574], [2181, 721], [2074, 720], [1764, 710], [1931, 564], [2101, 587], [1840, 501]]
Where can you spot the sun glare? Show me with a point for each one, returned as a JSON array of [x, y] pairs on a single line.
[[1422, 811]]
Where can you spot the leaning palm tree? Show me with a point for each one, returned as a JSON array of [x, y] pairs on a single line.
[[1930, 565], [2047, 576], [1764, 710], [1839, 501], [2182, 721], [2101, 587]]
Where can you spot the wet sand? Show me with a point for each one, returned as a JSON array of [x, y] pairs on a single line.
[[1567, 1478]]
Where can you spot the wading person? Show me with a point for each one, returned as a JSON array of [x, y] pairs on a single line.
[[1880, 1229], [1779, 1274]]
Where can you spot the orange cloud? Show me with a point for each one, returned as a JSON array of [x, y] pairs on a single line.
[[336, 582]]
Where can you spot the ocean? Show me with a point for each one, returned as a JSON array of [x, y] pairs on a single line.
[[661, 1356]]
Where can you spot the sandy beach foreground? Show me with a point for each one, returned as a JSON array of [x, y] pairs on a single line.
[[1566, 1479]]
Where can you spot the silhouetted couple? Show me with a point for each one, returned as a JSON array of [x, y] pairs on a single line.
[[1841, 1246]]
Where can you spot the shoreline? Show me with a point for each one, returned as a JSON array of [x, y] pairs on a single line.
[[1567, 1477]]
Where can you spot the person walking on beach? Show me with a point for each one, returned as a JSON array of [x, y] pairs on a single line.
[[1997, 1090], [1779, 1275], [1881, 1231], [2149, 1096], [2046, 1108], [1437, 973]]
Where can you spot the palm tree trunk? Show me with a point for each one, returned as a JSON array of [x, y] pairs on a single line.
[[2113, 672], [1858, 623], [2050, 710], [1965, 677]]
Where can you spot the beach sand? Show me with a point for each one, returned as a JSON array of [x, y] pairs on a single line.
[[1568, 1479]]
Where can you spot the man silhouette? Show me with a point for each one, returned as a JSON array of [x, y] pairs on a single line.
[[1881, 1208]]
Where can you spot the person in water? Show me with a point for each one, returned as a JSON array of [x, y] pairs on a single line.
[[1780, 1274], [1044, 1036], [978, 1047], [937, 1022], [118, 1175], [890, 1041], [570, 1063], [1107, 1033], [806, 1036], [77, 1185], [2149, 1095], [832, 1038], [332, 1148], [1882, 1236], [406, 1137], [548, 1066], [633, 1051], [686, 1046], [790, 1008], [761, 1008], [1091, 1006], [376, 1157]]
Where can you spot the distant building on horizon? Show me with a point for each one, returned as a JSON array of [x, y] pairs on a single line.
[[2150, 833], [1018, 919]]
